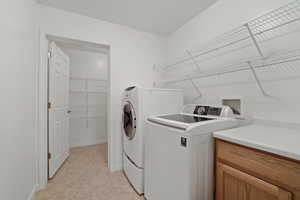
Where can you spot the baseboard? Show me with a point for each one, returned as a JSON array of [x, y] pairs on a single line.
[[40, 187], [117, 166], [88, 143], [32, 193]]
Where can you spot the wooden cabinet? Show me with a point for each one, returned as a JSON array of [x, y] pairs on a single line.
[[236, 185], [243, 173]]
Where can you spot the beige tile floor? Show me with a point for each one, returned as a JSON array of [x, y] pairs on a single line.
[[85, 176]]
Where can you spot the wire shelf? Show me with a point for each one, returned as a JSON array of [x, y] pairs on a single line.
[[92, 98], [282, 16], [268, 42], [271, 26], [291, 59]]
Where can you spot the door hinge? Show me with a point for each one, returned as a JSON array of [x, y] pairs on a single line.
[[49, 54], [49, 156], [49, 105]]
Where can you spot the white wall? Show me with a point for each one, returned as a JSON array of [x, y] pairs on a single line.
[[131, 58], [18, 87], [132, 55], [216, 20], [88, 96]]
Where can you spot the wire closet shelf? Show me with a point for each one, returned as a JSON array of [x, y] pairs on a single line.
[[89, 88], [269, 41]]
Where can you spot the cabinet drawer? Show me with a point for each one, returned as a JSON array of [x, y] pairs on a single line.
[[271, 168]]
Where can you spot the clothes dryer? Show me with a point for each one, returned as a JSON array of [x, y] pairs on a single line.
[[137, 105]]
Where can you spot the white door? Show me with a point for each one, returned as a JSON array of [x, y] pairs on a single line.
[[58, 136]]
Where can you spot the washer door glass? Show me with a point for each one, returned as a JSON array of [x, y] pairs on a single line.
[[129, 120]]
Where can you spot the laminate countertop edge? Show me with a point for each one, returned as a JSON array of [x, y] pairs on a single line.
[[279, 140]]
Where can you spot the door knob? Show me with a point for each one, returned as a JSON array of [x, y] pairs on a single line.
[[69, 111]]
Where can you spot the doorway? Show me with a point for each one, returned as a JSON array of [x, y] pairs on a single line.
[[86, 93]]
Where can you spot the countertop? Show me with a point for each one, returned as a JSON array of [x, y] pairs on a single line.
[[273, 138]]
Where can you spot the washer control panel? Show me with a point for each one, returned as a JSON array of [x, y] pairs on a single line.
[[207, 110], [222, 111]]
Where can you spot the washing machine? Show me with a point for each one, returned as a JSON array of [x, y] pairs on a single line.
[[179, 157], [137, 104]]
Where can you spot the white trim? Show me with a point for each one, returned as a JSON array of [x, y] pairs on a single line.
[[32, 194], [42, 162], [42, 173], [36, 141], [109, 107]]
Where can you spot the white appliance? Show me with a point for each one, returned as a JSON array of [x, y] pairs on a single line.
[[138, 104], [179, 152]]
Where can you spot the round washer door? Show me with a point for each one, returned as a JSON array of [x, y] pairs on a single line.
[[129, 120]]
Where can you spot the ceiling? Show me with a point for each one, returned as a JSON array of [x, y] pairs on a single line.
[[154, 16]]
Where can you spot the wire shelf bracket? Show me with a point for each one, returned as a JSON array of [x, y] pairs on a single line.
[[259, 83], [257, 79], [194, 60], [254, 41], [196, 88]]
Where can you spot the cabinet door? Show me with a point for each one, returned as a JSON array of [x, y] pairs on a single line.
[[233, 184]]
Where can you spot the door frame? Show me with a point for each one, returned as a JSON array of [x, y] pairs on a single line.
[[42, 110]]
